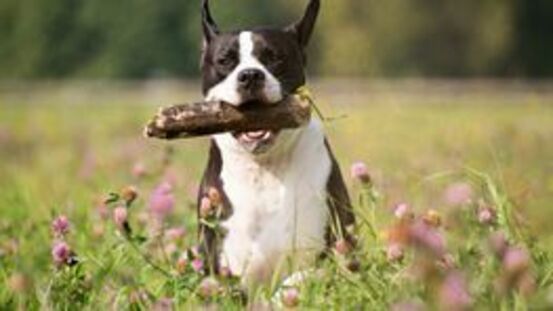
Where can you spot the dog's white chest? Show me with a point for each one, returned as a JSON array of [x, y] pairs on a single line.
[[279, 203]]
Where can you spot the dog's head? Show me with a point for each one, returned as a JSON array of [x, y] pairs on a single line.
[[261, 65]]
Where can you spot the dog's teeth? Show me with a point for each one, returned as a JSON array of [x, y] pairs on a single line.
[[256, 134], [247, 138]]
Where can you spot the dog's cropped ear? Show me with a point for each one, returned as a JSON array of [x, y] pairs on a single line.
[[304, 27], [209, 26]]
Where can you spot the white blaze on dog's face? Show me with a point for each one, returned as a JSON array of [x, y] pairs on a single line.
[[260, 66], [249, 80]]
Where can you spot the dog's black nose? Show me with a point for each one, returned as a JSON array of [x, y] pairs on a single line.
[[249, 78]]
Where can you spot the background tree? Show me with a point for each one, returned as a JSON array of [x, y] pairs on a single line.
[[393, 38]]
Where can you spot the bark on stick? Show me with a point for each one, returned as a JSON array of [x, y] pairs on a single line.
[[207, 118]]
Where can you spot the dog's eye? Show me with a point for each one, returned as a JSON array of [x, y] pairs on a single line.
[[226, 60], [270, 56]]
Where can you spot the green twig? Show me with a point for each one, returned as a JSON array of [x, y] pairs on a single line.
[[146, 258]]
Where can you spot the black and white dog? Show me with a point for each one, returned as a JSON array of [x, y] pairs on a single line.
[[282, 191]]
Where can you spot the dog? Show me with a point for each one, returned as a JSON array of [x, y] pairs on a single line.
[[283, 195]]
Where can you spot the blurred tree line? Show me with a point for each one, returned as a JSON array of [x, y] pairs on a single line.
[[161, 38]]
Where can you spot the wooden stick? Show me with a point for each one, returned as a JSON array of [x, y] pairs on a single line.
[[207, 118]]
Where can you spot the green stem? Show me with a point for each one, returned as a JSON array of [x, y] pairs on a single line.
[[146, 258]]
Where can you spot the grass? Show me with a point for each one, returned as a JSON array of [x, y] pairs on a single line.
[[65, 146]]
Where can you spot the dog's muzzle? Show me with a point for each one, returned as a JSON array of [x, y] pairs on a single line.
[[251, 85]]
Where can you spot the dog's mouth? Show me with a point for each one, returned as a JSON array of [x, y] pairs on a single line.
[[256, 141]]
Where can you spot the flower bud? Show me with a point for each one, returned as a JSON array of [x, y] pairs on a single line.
[[342, 247], [182, 263], [162, 200], [215, 197], [486, 215], [60, 226], [359, 171], [403, 211], [120, 217], [290, 297], [453, 293], [395, 252], [102, 208], [516, 260], [175, 234], [225, 272], [458, 194], [129, 194], [61, 253], [209, 287], [197, 265], [138, 170], [428, 239], [206, 208], [432, 218]]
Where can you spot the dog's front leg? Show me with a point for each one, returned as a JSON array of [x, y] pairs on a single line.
[[210, 239]]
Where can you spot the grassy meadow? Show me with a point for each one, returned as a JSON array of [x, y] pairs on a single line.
[[64, 147]]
